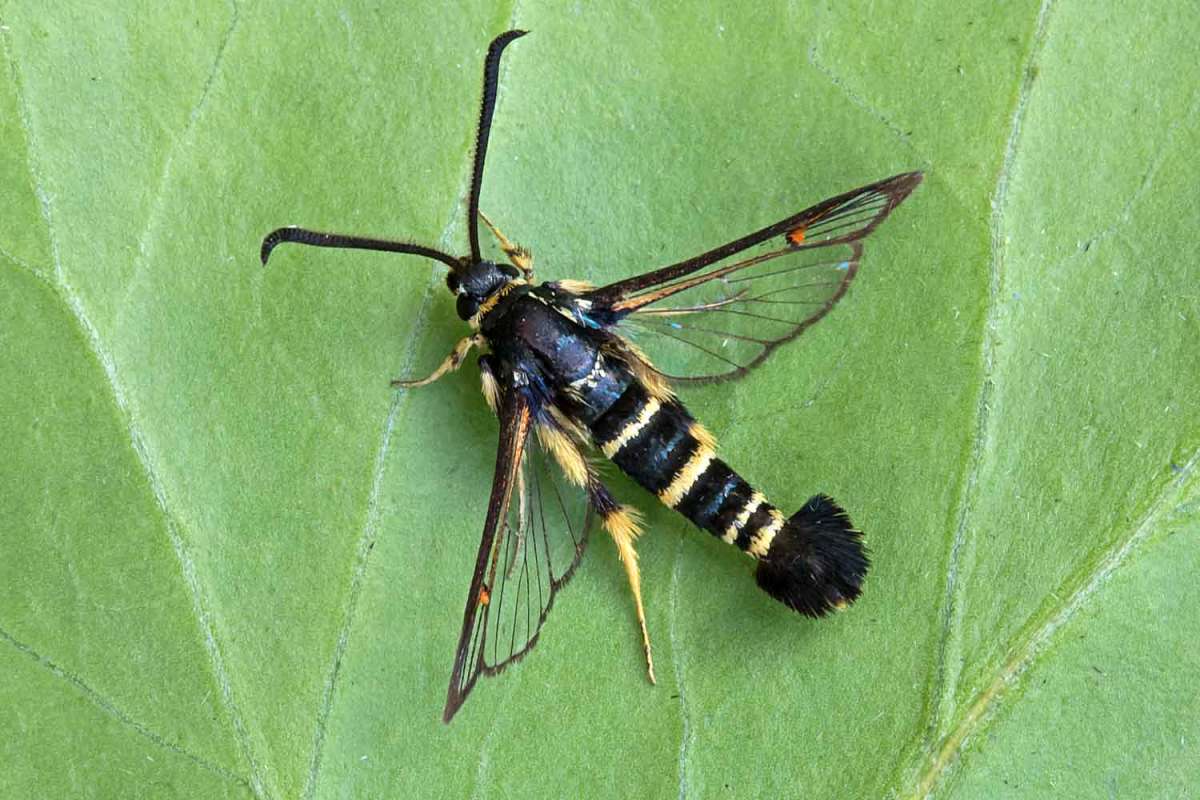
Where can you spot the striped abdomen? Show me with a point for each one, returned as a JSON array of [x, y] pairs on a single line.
[[660, 445], [813, 561]]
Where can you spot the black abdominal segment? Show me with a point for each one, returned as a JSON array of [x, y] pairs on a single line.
[[655, 443]]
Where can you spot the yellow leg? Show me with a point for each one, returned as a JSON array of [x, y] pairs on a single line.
[[522, 523], [521, 258], [624, 530], [452, 362]]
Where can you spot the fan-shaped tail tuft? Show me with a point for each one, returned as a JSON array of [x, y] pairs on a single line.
[[817, 562]]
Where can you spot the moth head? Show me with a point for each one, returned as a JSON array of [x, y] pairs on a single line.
[[475, 283]]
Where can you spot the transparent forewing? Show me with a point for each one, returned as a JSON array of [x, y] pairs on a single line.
[[533, 554], [722, 328], [543, 541], [716, 316]]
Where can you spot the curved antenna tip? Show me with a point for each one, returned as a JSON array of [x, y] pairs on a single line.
[[269, 242], [337, 240]]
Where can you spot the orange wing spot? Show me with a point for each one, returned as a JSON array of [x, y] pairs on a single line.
[[796, 236], [485, 596]]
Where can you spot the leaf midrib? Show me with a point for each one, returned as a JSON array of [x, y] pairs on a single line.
[[74, 305]]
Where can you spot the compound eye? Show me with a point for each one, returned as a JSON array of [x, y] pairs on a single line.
[[467, 306]]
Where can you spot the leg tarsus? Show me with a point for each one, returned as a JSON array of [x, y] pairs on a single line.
[[452, 362], [623, 529], [521, 258]]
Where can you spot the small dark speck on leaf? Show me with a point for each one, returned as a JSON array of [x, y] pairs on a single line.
[[1097, 670], [1176, 468]]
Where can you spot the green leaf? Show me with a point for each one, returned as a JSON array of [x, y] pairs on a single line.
[[233, 561]]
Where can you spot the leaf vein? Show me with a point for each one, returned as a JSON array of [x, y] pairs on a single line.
[[91, 335], [857, 100], [1124, 216], [113, 710], [945, 674], [984, 705], [185, 139], [366, 544], [38, 272]]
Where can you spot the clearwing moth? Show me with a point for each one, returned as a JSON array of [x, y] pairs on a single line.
[[575, 372]]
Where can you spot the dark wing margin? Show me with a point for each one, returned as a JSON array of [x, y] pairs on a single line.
[[533, 538], [727, 315]]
